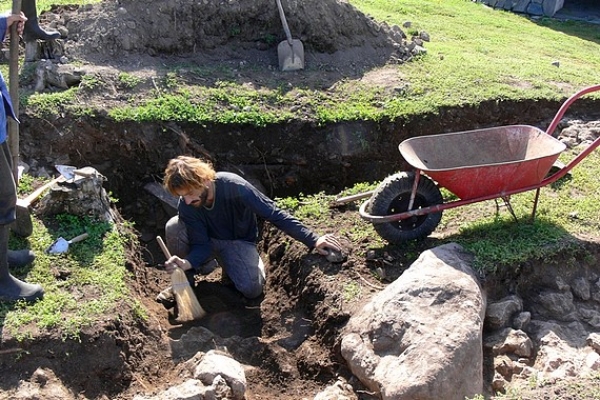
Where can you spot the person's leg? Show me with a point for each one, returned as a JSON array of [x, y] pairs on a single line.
[[242, 263], [176, 237], [16, 258], [11, 289], [32, 30], [20, 258]]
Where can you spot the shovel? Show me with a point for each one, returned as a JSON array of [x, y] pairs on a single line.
[[61, 245], [71, 173], [290, 51], [23, 225]]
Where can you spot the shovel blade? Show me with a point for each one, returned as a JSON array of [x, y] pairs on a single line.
[[66, 170], [291, 56]]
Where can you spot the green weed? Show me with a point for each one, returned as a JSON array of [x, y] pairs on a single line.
[[50, 104], [351, 291], [129, 81]]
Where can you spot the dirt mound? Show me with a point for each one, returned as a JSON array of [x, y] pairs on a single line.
[[335, 34]]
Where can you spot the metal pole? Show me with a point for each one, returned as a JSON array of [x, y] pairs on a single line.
[[13, 72]]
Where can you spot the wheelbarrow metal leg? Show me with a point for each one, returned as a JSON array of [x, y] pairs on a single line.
[[535, 203], [506, 200], [413, 193]]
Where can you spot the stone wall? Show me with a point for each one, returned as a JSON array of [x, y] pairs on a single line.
[[533, 7]]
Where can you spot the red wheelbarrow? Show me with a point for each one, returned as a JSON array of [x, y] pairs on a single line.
[[477, 165]]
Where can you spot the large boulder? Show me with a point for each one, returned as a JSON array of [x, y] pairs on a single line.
[[421, 337]]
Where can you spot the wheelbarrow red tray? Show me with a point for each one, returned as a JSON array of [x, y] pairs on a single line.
[[482, 162]]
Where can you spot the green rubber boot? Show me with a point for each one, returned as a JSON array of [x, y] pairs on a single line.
[[11, 288], [32, 30]]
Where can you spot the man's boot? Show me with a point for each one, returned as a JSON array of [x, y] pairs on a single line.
[[12, 289], [32, 30]]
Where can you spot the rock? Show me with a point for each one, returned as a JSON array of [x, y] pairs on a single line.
[[188, 390], [420, 338], [592, 361], [215, 364], [554, 305], [593, 340], [521, 321], [504, 366], [581, 288], [340, 390], [498, 383], [82, 195], [558, 357], [510, 341], [498, 314], [197, 339]]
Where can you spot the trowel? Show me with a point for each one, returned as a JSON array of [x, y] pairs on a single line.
[[61, 245]]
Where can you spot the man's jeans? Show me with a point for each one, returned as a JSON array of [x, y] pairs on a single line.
[[239, 259]]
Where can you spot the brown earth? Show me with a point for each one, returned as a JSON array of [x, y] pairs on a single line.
[[289, 341]]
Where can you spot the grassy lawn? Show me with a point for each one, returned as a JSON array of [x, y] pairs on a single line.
[[478, 53], [475, 54]]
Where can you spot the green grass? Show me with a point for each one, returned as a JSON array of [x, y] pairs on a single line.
[[475, 54], [351, 291], [478, 53], [563, 389], [81, 286], [567, 210], [44, 5]]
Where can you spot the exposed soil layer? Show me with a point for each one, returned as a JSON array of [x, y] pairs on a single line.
[[289, 340]]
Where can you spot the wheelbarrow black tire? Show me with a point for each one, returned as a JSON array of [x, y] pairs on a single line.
[[392, 197]]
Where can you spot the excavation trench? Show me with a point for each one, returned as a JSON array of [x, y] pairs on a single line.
[[282, 160], [288, 159], [290, 338]]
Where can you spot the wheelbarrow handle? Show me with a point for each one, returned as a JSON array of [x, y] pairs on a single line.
[[567, 104], [347, 199]]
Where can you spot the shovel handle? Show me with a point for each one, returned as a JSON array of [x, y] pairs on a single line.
[[343, 200], [163, 247], [30, 199], [79, 238], [286, 28]]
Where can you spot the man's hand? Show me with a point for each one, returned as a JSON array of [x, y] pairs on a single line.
[[174, 262], [328, 242], [19, 19]]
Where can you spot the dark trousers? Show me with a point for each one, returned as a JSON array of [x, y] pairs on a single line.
[[8, 189]]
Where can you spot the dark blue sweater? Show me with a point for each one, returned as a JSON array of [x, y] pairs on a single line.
[[233, 217]]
